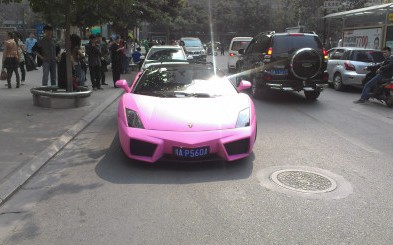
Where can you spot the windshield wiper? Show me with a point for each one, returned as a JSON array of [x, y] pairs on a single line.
[[153, 93]]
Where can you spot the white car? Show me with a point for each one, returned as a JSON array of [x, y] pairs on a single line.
[[236, 44], [164, 54]]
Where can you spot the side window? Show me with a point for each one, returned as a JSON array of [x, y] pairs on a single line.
[[338, 55], [250, 46], [261, 45], [346, 55]]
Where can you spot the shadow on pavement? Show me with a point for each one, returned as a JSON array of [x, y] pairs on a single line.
[[115, 167]]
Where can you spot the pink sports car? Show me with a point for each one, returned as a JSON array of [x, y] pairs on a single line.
[[187, 112]]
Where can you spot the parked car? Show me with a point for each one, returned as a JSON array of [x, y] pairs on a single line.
[[236, 44], [285, 61], [185, 112], [160, 54], [346, 65], [194, 47]]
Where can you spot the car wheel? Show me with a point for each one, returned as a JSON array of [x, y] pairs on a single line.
[[389, 102], [312, 95], [306, 63], [255, 92], [338, 82]]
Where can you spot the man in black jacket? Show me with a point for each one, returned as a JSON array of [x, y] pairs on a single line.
[[93, 52], [385, 71]]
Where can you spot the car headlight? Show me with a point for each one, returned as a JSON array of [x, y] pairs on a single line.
[[133, 119], [243, 120]]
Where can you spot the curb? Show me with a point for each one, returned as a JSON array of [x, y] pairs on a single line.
[[20, 177]]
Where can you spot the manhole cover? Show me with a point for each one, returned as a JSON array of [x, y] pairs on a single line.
[[303, 181]]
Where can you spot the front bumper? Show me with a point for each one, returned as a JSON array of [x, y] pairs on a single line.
[[153, 145]]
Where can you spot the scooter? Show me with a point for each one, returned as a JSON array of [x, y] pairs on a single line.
[[383, 91]]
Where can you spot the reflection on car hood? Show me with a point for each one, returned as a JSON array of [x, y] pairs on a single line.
[[188, 114]]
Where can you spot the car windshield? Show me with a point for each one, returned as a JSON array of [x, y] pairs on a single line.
[[192, 42], [236, 45], [184, 81], [286, 45], [368, 56], [166, 54]]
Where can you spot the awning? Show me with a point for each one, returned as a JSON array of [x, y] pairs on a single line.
[[383, 8]]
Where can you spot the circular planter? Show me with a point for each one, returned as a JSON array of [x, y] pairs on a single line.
[[53, 97]]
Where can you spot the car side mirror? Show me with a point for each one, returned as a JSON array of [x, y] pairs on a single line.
[[243, 85], [123, 84], [189, 57], [241, 51]]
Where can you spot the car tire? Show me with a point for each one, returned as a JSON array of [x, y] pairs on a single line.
[[257, 90], [389, 102], [312, 95], [338, 82]]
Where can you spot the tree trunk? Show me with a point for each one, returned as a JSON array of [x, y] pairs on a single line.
[[68, 47]]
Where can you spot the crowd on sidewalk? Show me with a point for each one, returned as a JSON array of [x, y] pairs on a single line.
[[20, 56]]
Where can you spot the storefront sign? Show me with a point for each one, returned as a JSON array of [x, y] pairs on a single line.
[[363, 38]]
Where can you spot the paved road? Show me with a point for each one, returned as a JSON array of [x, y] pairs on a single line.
[[90, 193], [30, 135]]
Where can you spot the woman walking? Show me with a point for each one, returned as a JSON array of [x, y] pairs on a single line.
[[11, 59], [21, 52]]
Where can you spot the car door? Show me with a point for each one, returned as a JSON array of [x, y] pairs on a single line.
[[334, 61], [247, 58]]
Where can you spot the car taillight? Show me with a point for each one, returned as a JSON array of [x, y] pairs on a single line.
[[325, 54], [232, 54], [349, 67], [389, 86], [267, 77], [270, 51], [325, 77]]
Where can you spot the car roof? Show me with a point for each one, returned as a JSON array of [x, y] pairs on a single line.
[[355, 48], [165, 46]]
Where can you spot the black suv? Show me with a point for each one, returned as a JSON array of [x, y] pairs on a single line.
[[285, 61]]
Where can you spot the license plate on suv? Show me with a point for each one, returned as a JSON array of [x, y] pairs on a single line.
[[190, 152], [279, 72]]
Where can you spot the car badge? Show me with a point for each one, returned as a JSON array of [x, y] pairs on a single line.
[[307, 65], [190, 125]]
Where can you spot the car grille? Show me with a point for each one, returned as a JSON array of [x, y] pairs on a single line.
[[194, 52], [237, 147], [142, 148]]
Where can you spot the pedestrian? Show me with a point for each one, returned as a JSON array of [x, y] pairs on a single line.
[[385, 71], [104, 57], [29, 43], [123, 46], [77, 56], [48, 54], [222, 48], [10, 59], [116, 53], [21, 52], [93, 52], [136, 57]]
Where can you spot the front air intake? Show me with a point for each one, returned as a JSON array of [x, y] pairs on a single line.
[[237, 147], [142, 148]]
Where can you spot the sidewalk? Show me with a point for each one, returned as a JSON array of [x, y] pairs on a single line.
[[30, 136]]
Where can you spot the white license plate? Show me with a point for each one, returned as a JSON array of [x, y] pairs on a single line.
[[190, 153]]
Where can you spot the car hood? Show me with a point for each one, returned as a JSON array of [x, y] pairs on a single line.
[[187, 114]]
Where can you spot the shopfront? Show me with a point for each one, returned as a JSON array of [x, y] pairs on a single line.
[[370, 27]]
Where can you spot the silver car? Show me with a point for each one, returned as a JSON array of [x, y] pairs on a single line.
[[164, 54], [346, 65]]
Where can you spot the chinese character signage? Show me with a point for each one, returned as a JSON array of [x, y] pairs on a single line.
[[363, 38]]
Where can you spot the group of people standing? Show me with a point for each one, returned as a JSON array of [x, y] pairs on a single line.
[[46, 53], [14, 58]]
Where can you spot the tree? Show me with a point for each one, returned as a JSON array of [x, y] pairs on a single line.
[[124, 13]]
